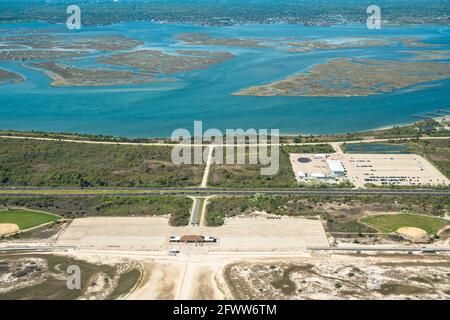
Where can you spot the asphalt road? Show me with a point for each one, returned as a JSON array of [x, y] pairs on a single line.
[[130, 192], [196, 211]]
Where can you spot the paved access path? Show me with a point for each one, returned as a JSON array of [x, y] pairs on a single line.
[[217, 145]]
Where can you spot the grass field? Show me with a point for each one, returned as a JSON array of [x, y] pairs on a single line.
[[26, 219], [392, 222], [75, 207]]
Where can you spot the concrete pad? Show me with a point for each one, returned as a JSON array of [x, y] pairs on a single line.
[[152, 233]]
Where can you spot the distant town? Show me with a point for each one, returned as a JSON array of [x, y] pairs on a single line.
[[228, 12]]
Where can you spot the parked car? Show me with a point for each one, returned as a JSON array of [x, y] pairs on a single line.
[[209, 239]]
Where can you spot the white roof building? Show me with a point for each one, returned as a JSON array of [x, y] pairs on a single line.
[[336, 166], [318, 175]]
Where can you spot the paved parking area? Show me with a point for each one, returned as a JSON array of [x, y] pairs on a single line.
[[397, 169], [152, 233], [361, 169]]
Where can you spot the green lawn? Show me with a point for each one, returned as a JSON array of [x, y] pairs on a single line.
[[392, 222], [26, 219]]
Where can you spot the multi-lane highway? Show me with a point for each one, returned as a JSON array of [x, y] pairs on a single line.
[[134, 191]]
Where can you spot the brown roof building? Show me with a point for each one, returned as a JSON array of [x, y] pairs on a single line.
[[191, 238]]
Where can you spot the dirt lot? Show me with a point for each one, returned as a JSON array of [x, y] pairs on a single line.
[[342, 277], [303, 275], [8, 228], [152, 233], [161, 281]]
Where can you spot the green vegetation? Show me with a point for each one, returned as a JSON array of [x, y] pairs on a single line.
[[340, 214], [250, 175], [80, 136], [214, 218], [180, 218], [126, 283], [54, 286], [26, 219], [221, 207], [375, 148], [316, 148], [80, 191], [437, 152], [391, 288], [73, 207], [408, 131], [321, 184], [392, 222], [56, 163], [396, 132], [285, 283]]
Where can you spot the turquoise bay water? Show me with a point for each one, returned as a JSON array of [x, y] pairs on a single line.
[[155, 110]]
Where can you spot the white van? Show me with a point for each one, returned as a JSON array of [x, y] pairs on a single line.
[[209, 239]]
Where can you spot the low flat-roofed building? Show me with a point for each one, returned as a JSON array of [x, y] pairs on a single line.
[[191, 238], [318, 175], [336, 167], [310, 167]]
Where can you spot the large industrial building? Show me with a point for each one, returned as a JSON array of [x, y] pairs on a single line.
[[309, 167], [336, 168]]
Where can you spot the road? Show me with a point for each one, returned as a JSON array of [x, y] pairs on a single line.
[[18, 247], [196, 210], [423, 249], [208, 144], [207, 168], [135, 191]]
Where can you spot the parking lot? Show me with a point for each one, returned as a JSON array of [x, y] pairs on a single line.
[[363, 169], [394, 169], [153, 233]]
